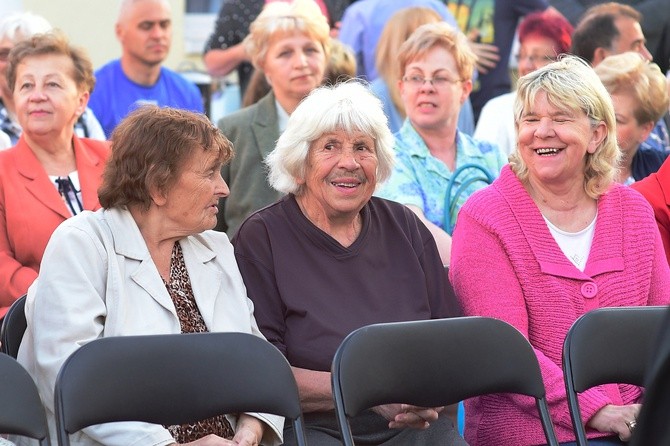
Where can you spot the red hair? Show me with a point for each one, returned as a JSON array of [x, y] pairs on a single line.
[[549, 25]]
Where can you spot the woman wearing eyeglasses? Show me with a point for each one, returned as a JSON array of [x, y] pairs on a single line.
[[436, 63], [542, 36]]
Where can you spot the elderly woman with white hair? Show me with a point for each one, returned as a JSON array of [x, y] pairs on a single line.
[[329, 258]]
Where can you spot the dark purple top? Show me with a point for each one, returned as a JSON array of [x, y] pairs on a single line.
[[309, 291]]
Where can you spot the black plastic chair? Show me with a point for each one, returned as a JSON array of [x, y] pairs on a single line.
[[13, 327], [21, 410], [173, 379], [434, 363], [606, 346]]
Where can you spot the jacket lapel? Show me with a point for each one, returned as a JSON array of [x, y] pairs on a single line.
[[264, 118], [139, 264], [36, 180], [605, 254], [89, 167], [206, 280]]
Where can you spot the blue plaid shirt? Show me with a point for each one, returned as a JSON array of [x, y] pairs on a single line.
[[419, 179]]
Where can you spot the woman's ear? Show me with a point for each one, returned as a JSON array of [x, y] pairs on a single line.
[[467, 89], [158, 196], [597, 137], [647, 128]]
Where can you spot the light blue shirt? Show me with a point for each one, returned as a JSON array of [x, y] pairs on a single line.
[[419, 179]]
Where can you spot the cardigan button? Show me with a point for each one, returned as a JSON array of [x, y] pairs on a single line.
[[589, 290]]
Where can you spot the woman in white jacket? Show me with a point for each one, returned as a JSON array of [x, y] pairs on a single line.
[[147, 263]]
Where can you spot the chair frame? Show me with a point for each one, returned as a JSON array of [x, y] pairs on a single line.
[[606, 346], [21, 411], [139, 378], [14, 326], [434, 363]]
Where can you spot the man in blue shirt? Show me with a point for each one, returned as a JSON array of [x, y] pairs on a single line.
[[144, 29]]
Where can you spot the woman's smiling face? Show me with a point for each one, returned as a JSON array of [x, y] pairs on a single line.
[[553, 142]]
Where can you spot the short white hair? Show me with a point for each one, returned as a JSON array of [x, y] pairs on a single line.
[[347, 106], [22, 26]]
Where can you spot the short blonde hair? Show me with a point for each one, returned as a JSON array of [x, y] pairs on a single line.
[[303, 16], [571, 84], [630, 73], [430, 35], [341, 65], [348, 106], [398, 29]]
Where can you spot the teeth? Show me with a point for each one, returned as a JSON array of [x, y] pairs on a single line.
[[547, 151], [345, 184]]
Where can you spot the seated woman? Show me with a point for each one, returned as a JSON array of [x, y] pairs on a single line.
[[51, 174], [437, 64], [329, 258], [289, 44], [640, 96], [552, 238], [145, 264], [543, 36]]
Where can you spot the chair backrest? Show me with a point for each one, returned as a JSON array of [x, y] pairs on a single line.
[[605, 346], [13, 327], [434, 363], [467, 175], [21, 410], [140, 378]]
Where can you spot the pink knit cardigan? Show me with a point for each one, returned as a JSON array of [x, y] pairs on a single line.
[[505, 264]]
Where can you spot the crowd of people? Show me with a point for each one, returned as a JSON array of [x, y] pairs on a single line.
[[384, 168]]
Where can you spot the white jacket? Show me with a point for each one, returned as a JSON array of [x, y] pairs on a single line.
[[97, 279]]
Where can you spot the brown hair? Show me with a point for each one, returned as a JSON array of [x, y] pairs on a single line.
[[52, 42], [149, 149]]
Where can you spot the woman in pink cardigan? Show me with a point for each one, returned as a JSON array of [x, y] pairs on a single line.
[[552, 238]]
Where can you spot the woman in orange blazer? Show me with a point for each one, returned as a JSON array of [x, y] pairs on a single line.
[[50, 174]]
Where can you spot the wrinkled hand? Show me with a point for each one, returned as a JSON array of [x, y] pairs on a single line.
[[613, 419], [404, 415], [245, 437], [487, 54]]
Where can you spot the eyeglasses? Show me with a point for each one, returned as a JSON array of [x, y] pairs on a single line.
[[417, 81]]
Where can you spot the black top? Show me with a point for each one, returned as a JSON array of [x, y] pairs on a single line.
[[309, 291]]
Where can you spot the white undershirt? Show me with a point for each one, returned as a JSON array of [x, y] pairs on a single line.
[[282, 117], [575, 245], [74, 199]]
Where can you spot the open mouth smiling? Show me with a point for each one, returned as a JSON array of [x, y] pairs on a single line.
[[547, 151], [345, 185]]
